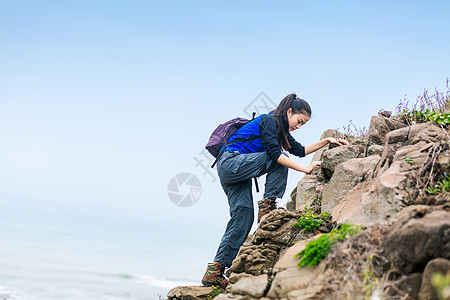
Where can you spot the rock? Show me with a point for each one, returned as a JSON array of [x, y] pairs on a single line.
[[375, 150], [438, 265], [394, 140], [443, 160], [407, 285], [277, 227], [419, 234], [189, 293], [232, 297], [291, 204], [254, 286], [326, 134], [308, 293], [345, 178], [288, 277], [377, 131], [292, 279], [334, 157], [255, 259], [385, 113], [428, 132], [374, 201], [287, 257], [307, 191], [388, 193], [303, 235], [274, 233], [235, 277]]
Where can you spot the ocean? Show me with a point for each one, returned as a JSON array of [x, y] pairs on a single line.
[[46, 255]]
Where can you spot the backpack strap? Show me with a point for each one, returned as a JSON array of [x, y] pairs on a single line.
[[256, 184]]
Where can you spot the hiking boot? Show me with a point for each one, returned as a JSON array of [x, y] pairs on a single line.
[[214, 275], [265, 206]]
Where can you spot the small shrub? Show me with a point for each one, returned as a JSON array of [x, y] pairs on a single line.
[[315, 251], [310, 221]]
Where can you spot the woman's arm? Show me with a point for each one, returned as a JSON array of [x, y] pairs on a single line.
[[287, 162], [317, 145]]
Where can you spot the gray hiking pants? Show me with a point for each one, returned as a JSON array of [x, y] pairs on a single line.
[[236, 172]]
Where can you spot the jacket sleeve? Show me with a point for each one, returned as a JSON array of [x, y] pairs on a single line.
[[268, 128], [296, 148]]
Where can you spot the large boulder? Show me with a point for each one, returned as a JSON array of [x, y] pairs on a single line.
[[345, 178], [380, 126], [334, 157], [377, 130], [419, 234], [384, 196]]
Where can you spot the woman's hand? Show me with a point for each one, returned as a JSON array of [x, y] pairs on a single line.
[[312, 165], [339, 142]]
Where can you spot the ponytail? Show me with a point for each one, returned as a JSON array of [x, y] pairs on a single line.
[[299, 106]]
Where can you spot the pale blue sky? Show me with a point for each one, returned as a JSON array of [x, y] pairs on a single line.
[[103, 102]]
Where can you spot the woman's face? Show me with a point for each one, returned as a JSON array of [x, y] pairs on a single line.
[[296, 120]]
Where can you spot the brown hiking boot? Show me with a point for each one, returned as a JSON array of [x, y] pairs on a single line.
[[265, 206], [214, 275]]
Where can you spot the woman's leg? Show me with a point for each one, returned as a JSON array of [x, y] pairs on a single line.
[[237, 231], [276, 180], [241, 211]]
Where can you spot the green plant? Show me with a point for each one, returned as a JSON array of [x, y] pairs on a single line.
[[310, 221], [315, 251], [409, 160], [442, 119], [216, 291], [441, 283], [422, 117], [441, 186], [370, 281], [432, 189]]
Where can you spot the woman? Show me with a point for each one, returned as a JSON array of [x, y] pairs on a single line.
[[243, 161]]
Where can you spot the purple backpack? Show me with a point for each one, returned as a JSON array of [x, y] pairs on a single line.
[[222, 133]]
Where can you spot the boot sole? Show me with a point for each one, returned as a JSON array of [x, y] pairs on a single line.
[[209, 284]]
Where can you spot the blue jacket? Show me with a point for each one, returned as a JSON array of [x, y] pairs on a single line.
[[265, 126]]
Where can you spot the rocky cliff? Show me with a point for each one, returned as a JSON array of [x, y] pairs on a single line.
[[392, 181]]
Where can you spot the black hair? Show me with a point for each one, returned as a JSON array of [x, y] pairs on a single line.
[[299, 106]]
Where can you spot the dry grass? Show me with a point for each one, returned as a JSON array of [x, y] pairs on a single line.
[[354, 273]]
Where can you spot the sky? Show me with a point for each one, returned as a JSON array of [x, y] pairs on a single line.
[[103, 103]]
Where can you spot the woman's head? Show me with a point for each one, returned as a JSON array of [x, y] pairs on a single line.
[[291, 114]]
